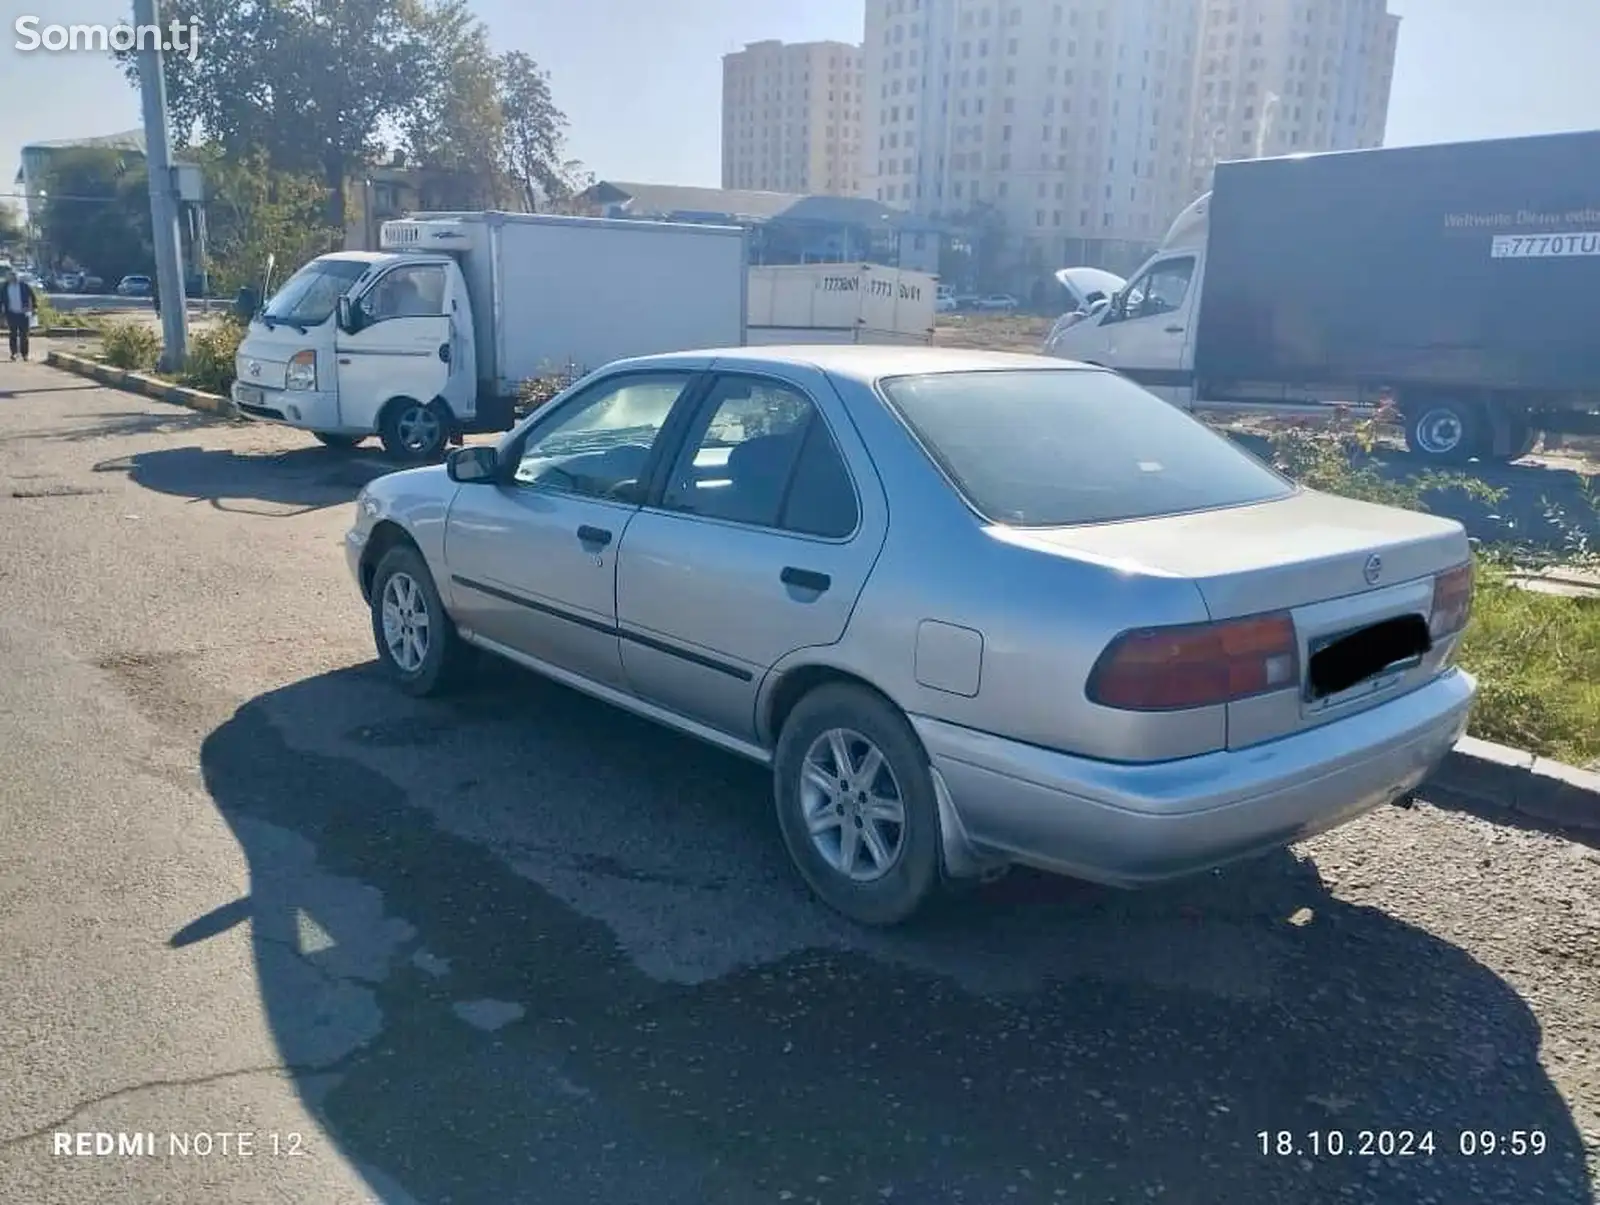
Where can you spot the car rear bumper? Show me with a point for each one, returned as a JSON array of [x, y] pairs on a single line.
[[1128, 825]]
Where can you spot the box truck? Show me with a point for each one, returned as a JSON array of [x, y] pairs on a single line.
[[1458, 282], [840, 303], [431, 337]]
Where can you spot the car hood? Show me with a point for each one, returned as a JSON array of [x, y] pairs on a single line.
[[1081, 282], [1270, 556]]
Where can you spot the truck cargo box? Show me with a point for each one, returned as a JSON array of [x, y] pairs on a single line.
[[551, 293], [1469, 264], [840, 303]]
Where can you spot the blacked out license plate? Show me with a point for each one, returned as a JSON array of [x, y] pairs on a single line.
[[1343, 662]]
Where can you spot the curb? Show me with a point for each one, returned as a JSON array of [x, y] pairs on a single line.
[[1490, 777], [142, 383], [65, 332]]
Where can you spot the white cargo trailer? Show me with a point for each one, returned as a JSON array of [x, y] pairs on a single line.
[[840, 303], [433, 335]]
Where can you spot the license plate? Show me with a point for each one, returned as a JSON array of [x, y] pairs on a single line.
[[249, 395], [1371, 654]]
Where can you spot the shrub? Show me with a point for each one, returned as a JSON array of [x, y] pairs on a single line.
[[212, 354], [131, 345]]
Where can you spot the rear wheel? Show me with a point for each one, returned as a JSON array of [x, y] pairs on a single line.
[[855, 804], [413, 430], [418, 645], [333, 440], [1446, 431]]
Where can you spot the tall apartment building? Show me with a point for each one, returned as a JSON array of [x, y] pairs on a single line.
[[791, 118], [1081, 121], [1277, 77]]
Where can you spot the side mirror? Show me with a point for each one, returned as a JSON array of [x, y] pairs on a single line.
[[345, 315], [468, 465]]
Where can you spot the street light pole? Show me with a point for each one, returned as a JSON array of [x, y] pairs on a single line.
[[163, 189]]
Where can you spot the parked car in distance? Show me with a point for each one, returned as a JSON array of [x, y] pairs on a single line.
[[944, 301], [69, 282], [998, 302], [93, 284], [134, 286], [973, 609]]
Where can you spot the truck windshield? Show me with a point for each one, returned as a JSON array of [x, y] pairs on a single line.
[[1058, 447], [309, 296]]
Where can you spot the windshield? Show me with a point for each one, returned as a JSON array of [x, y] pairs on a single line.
[[1053, 448], [310, 295]]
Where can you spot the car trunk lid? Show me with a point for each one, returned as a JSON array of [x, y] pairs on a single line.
[[1339, 567]]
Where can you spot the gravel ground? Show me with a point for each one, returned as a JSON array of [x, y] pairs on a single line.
[[522, 948]]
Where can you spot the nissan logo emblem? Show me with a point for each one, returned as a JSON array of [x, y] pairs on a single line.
[[1373, 569]]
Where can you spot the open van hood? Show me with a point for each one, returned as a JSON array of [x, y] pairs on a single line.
[[1082, 283]]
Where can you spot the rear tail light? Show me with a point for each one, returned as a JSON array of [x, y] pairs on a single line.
[[1198, 665], [1452, 601]]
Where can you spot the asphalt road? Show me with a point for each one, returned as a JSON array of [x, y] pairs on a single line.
[[520, 948]]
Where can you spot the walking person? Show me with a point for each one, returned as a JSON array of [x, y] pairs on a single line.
[[18, 304]]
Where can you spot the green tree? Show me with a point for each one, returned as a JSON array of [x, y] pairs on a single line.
[[311, 83], [534, 149], [253, 211], [11, 226], [97, 211], [455, 128]]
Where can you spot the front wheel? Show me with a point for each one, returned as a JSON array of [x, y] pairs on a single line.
[[418, 645], [855, 804], [413, 430]]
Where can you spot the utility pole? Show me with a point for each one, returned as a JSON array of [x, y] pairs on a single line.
[[163, 189]]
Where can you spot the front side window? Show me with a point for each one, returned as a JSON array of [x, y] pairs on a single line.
[[1160, 290], [416, 291], [599, 444], [1059, 447]]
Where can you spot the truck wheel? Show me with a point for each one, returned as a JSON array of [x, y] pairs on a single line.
[[1445, 431], [331, 439], [413, 430]]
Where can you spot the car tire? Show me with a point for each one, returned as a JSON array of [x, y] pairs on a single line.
[[413, 430], [1445, 431], [438, 665], [844, 867], [331, 439]]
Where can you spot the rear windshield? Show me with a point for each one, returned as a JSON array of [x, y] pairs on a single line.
[[1055, 447]]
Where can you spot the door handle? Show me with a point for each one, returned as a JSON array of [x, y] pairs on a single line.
[[1174, 330], [344, 359], [806, 579], [594, 535], [444, 352]]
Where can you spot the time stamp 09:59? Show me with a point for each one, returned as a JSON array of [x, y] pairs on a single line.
[[1402, 1144]]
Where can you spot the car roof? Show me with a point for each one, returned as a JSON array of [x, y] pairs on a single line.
[[865, 363]]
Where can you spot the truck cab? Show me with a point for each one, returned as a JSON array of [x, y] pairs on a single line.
[[1146, 330], [362, 343]]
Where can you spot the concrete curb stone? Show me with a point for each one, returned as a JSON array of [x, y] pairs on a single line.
[[1494, 777], [142, 383]]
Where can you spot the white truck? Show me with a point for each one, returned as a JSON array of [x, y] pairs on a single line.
[[431, 337], [840, 303]]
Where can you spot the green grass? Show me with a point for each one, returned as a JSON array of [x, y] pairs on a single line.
[[1537, 658]]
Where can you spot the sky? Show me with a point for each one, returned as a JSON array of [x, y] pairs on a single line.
[[641, 80]]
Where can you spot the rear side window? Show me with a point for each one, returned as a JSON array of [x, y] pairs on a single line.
[[1057, 447]]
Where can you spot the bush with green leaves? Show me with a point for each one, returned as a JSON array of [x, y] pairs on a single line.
[[212, 354], [131, 345]]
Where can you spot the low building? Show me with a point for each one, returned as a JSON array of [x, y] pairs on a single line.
[[785, 228], [33, 176]]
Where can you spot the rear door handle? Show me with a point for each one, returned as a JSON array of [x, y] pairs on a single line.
[[806, 579], [344, 359], [1174, 330], [594, 535]]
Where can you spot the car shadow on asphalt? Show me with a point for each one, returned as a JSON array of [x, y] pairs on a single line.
[[479, 1035], [307, 479], [111, 426]]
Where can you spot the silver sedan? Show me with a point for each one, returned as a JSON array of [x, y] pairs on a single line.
[[973, 609]]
